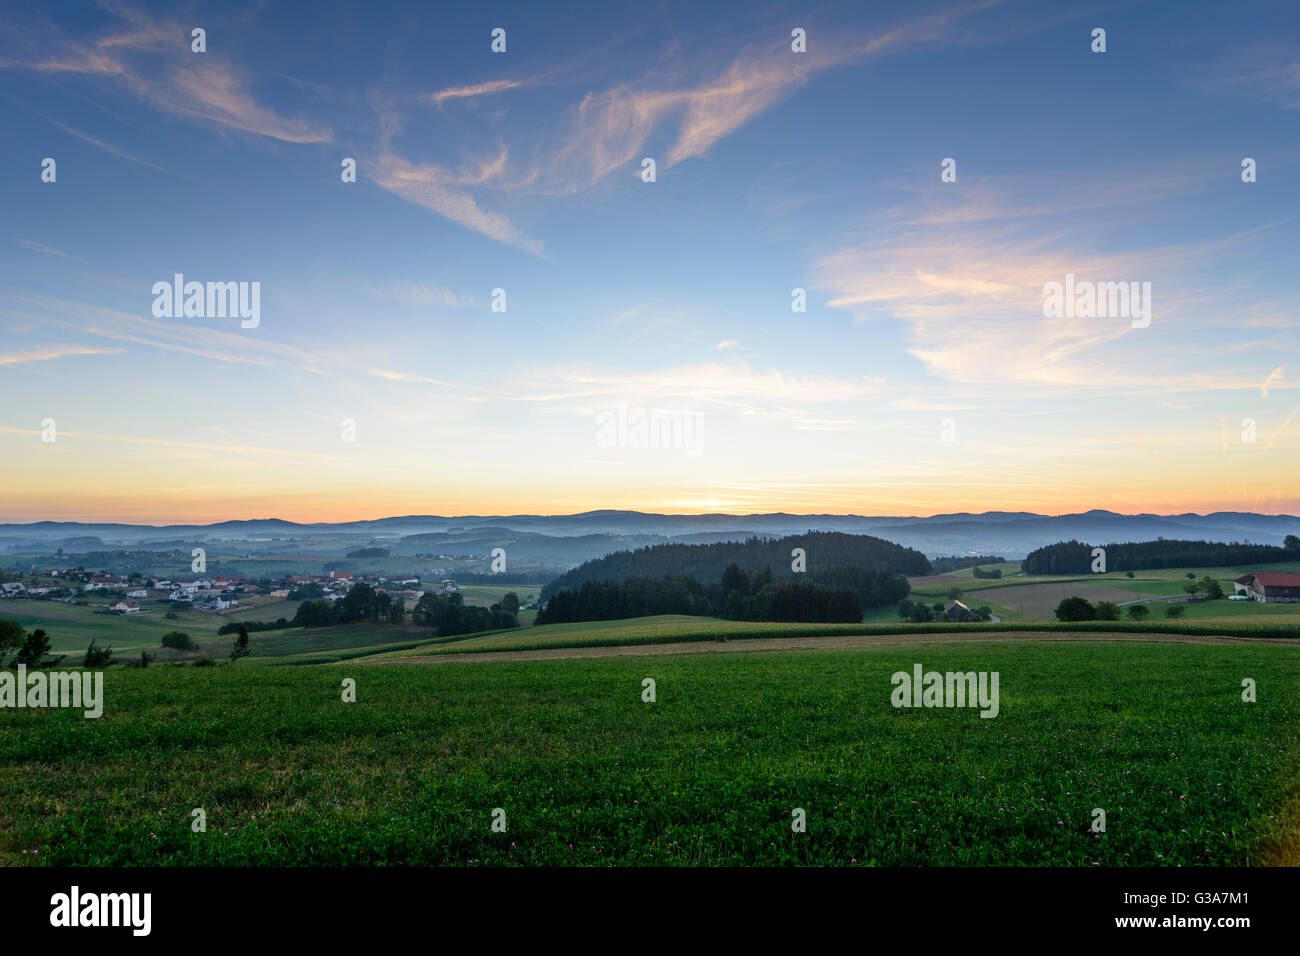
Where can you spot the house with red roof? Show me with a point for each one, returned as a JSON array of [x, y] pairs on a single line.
[[1269, 587]]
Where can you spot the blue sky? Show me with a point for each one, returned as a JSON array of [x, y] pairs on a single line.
[[522, 170]]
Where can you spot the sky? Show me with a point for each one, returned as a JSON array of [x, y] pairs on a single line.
[[383, 376]]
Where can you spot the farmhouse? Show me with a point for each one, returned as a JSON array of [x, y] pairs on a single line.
[[124, 606], [1269, 587], [12, 589], [954, 610]]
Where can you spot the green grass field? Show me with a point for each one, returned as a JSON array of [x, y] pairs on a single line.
[[71, 628], [1144, 585], [677, 628], [489, 594], [587, 773]]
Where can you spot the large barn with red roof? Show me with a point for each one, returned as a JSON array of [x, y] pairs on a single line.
[[1270, 587]]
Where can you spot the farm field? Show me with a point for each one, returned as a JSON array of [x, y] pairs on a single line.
[[639, 630], [587, 773], [489, 594], [676, 629], [485, 595], [1035, 597], [71, 628], [1039, 601]]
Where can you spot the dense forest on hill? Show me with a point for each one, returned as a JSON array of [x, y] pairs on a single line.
[[737, 595], [1075, 557], [706, 562]]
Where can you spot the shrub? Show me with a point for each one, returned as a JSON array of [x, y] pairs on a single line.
[[179, 640], [97, 656], [1075, 609]]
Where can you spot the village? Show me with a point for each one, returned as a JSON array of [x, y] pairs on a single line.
[[127, 594]]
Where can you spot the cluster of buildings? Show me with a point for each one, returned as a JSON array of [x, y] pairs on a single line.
[[213, 593]]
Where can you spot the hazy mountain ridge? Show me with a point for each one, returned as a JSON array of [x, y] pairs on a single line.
[[579, 537]]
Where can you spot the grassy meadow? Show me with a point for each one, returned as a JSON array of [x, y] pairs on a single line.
[[588, 773]]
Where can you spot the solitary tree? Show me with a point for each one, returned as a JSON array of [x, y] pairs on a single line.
[[1138, 612], [241, 645]]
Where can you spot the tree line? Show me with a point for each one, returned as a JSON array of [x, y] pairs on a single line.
[[737, 595], [451, 615], [1075, 557], [706, 562]]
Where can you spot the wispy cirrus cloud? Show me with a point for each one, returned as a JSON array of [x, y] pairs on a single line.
[[110, 148], [1266, 71], [37, 246], [187, 338], [726, 383], [475, 90], [438, 190], [49, 353], [964, 272], [607, 129], [418, 295], [153, 59]]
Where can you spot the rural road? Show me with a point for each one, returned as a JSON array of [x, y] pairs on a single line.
[[760, 645]]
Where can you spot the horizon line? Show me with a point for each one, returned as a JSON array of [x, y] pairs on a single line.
[[656, 514]]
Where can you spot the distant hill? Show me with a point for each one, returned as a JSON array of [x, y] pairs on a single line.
[[706, 562], [572, 539], [1075, 557]]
